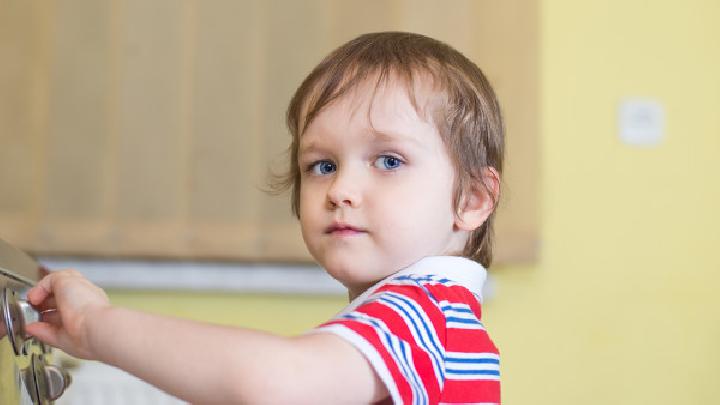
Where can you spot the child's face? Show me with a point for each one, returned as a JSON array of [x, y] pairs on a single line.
[[392, 182]]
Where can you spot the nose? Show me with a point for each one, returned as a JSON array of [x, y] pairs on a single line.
[[345, 190]]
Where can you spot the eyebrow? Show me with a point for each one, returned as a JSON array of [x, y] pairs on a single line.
[[389, 137], [386, 137], [310, 147]]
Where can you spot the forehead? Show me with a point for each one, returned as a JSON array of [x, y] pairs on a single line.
[[387, 107]]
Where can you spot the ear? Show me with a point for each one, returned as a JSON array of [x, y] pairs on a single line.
[[478, 202]]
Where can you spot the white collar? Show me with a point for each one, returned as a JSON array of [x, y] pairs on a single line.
[[465, 272]]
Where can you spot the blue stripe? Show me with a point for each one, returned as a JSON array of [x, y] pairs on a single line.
[[474, 372], [434, 355], [438, 353], [389, 338], [421, 393], [435, 279], [463, 320], [451, 308], [471, 361]]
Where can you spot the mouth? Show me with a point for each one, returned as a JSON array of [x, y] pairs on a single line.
[[341, 229]]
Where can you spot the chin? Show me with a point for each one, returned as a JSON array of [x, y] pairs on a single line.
[[341, 270], [348, 272]]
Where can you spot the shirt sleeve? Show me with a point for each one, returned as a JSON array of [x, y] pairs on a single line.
[[400, 330]]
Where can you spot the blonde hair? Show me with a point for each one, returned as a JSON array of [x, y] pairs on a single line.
[[468, 115]]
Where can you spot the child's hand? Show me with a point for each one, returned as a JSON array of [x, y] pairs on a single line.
[[67, 302]]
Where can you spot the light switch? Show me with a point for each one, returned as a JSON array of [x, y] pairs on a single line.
[[641, 121]]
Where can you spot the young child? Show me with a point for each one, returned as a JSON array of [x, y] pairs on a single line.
[[396, 155]]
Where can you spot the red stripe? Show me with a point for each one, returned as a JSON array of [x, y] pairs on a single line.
[[464, 391], [429, 380], [457, 295], [428, 305], [455, 339], [470, 341], [392, 320], [399, 327]]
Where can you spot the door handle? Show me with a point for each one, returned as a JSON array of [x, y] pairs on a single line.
[[16, 313]]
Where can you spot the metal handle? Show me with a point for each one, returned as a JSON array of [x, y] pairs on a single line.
[[56, 380], [16, 313], [45, 383]]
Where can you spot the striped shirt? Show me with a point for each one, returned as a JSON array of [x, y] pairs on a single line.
[[421, 331]]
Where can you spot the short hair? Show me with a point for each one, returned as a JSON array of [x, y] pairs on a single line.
[[468, 116]]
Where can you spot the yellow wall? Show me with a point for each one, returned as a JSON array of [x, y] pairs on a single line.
[[282, 314], [621, 308]]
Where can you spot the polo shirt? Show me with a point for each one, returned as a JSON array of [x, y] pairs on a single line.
[[420, 329]]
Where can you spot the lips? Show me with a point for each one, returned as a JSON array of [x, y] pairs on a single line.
[[344, 229]]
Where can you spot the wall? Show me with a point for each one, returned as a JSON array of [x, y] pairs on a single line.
[[622, 306], [146, 129]]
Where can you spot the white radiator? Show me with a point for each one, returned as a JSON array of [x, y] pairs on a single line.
[[96, 383]]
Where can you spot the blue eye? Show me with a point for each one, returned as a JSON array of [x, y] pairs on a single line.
[[388, 162], [323, 167]]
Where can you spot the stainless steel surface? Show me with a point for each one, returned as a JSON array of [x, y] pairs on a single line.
[[17, 265], [12, 319], [17, 314], [44, 382], [26, 375], [15, 370], [57, 380], [31, 384]]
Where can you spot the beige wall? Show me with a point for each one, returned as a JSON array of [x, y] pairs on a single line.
[[134, 128]]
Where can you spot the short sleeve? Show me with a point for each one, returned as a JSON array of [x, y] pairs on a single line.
[[400, 329]]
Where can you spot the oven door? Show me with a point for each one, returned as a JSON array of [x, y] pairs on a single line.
[[27, 375], [14, 369]]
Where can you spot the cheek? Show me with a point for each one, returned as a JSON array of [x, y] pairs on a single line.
[[411, 207], [415, 206], [305, 206]]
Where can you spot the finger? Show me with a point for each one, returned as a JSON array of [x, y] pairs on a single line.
[[51, 316], [47, 284], [45, 332], [37, 294], [47, 304]]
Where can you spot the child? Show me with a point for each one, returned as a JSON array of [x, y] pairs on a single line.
[[396, 155]]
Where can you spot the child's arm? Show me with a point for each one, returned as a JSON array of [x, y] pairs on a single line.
[[199, 362]]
